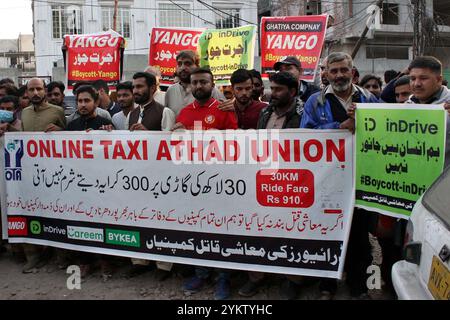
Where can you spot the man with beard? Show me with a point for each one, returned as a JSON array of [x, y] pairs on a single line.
[[281, 113], [329, 109], [40, 116], [285, 108], [180, 95], [105, 100], [292, 65], [247, 109], [150, 115], [204, 113]]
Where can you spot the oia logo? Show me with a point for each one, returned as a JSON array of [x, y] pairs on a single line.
[[13, 160]]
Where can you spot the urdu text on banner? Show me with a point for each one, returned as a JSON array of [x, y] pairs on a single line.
[[92, 57], [268, 200], [224, 51], [165, 44], [400, 151], [302, 37]]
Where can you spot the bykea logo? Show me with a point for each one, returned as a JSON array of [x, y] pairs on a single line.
[[17, 226], [123, 238], [35, 227], [13, 160]]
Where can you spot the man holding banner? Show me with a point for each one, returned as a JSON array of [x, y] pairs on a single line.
[[328, 109], [40, 116], [426, 84], [203, 114]]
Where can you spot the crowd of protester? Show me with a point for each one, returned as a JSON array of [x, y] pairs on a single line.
[[292, 103]]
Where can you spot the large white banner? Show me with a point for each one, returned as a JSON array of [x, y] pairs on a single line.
[[270, 201]]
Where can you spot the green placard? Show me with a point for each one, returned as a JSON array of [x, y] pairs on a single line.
[[226, 50], [400, 151]]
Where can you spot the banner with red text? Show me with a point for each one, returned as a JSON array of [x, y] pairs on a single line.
[[91, 57], [165, 44], [268, 200], [302, 37]]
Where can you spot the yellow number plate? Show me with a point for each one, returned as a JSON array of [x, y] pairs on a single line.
[[439, 281]]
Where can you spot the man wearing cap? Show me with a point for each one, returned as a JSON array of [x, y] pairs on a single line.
[[292, 65]]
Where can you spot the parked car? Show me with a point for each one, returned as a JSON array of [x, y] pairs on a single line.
[[425, 271], [70, 105]]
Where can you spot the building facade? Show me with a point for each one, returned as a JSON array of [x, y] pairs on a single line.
[[17, 60], [389, 42], [53, 19]]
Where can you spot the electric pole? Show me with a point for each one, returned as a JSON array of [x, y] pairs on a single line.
[[419, 41], [116, 6], [363, 35]]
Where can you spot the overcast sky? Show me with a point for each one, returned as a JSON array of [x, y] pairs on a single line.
[[15, 18]]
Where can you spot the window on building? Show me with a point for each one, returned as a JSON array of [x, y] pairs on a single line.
[[387, 52], [390, 13], [171, 15], [66, 20], [227, 18], [123, 21], [313, 7], [441, 12]]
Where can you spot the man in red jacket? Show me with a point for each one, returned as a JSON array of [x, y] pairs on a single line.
[[203, 113]]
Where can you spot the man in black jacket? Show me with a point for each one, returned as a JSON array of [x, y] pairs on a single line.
[[292, 65], [87, 103], [284, 111], [285, 108]]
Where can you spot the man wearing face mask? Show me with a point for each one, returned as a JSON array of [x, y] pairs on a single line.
[[8, 108]]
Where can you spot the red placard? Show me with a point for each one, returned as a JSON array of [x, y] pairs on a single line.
[[92, 57], [292, 188], [165, 43], [301, 36], [17, 226]]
